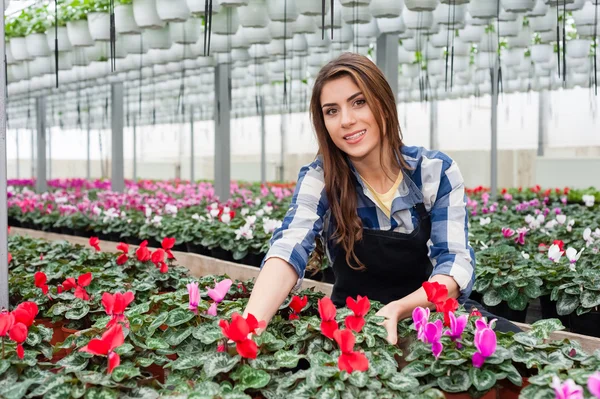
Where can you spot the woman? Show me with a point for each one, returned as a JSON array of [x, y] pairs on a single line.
[[393, 216]]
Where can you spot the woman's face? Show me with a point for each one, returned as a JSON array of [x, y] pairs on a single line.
[[348, 119]]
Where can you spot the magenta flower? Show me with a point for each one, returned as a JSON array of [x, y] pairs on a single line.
[[566, 390], [594, 384], [507, 232], [485, 341], [217, 294], [457, 326], [420, 319], [433, 336], [521, 235], [194, 295]]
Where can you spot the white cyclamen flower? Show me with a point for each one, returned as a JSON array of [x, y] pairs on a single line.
[[269, 225], [268, 209], [551, 224], [485, 221], [244, 211], [245, 231], [214, 213], [170, 209], [554, 253], [561, 218], [156, 220], [573, 255], [251, 219], [148, 212], [589, 200], [260, 213], [525, 256], [587, 236]]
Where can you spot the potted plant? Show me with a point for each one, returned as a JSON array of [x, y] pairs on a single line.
[[146, 15], [77, 23], [172, 10]]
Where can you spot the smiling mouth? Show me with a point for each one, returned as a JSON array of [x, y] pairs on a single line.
[[354, 136]]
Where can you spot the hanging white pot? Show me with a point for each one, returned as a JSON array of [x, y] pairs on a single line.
[[550, 36], [187, 32], [436, 67], [133, 44], [124, 20], [281, 30], [157, 38], [305, 24], [146, 15], [588, 31], [79, 56], [37, 45], [484, 9], [421, 5], [585, 16], [521, 40], [518, 5], [541, 53], [311, 7], [299, 44], [172, 10], [282, 11], [507, 16], [220, 44], [390, 25], [64, 44], [575, 5], [489, 42], [386, 8], [97, 52], [99, 26], [513, 56], [577, 62], [577, 79], [544, 23], [9, 57], [337, 19], [253, 15], [65, 60], [485, 60], [471, 34], [79, 33], [41, 66], [18, 47], [356, 15], [226, 22], [451, 15], [197, 7], [540, 9], [417, 20], [578, 48], [259, 53], [510, 28], [411, 70], [233, 3]]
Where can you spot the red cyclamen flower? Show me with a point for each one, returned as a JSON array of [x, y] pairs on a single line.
[[327, 312], [82, 281], [25, 313], [449, 305], [143, 254], [158, 258], [122, 258], [349, 360], [40, 281], [95, 243], [168, 244], [297, 304], [360, 307], [435, 291], [115, 305], [105, 346], [238, 331]]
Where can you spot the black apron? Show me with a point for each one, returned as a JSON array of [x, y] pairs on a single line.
[[396, 264]]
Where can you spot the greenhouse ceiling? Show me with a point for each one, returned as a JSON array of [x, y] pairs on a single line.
[[165, 56]]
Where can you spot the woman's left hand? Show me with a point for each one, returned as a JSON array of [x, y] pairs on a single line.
[[391, 312]]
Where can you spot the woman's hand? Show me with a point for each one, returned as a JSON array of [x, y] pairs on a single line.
[[391, 312]]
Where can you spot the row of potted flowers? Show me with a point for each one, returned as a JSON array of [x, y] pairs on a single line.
[[135, 330]]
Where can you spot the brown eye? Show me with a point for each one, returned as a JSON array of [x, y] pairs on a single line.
[[330, 111], [360, 102]]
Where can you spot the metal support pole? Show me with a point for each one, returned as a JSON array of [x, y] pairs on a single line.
[[433, 125], [117, 161], [32, 153], [134, 148], [282, 149], [3, 177], [18, 157], [494, 123], [263, 141], [88, 163], [49, 141], [387, 59], [222, 131], [41, 184], [192, 166], [542, 121]]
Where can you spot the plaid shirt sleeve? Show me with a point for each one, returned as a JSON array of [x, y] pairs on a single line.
[[449, 247], [295, 239]]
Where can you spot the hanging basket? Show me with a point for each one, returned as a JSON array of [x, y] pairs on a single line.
[[37, 45], [312, 7], [457, 14], [145, 14], [386, 8], [256, 35], [226, 22], [157, 38], [99, 25], [518, 5], [484, 9], [522, 40], [18, 48], [541, 53], [585, 16], [282, 11], [125, 21], [390, 25], [575, 5], [544, 23], [64, 44], [417, 20], [253, 15], [197, 7], [356, 15], [79, 33], [305, 24], [578, 48], [187, 32], [421, 5], [172, 10], [133, 44]]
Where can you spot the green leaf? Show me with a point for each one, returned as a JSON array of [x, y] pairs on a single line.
[[78, 313], [532, 290], [358, 379], [4, 365], [101, 393], [51, 382], [512, 373], [207, 333], [124, 349], [33, 338], [176, 337], [491, 298], [16, 391], [590, 299], [184, 363], [508, 292], [219, 362], [519, 302], [60, 392], [158, 321], [125, 371], [567, 304], [327, 392], [157, 343], [416, 369], [457, 381], [94, 378], [526, 339], [178, 317], [402, 383], [74, 362], [287, 359], [543, 328], [483, 380], [253, 378]]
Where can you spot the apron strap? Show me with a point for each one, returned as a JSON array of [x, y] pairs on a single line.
[[421, 211]]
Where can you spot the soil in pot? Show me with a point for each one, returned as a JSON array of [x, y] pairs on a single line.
[[586, 324], [222, 254], [57, 333], [549, 311], [508, 390], [503, 310]]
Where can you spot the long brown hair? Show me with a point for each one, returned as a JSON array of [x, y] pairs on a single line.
[[339, 185]]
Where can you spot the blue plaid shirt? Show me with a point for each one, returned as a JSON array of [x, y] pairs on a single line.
[[434, 179]]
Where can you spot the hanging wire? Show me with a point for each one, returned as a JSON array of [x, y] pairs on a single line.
[[323, 19], [113, 37], [596, 48], [564, 38], [285, 53], [498, 52], [56, 39], [208, 6]]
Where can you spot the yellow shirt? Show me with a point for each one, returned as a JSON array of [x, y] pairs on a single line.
[[385, 200]]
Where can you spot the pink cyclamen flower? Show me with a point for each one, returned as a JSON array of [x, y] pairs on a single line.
[[420, 319], [194, 295], [594, 384], [217, 294], [457, 326], [521, 235], [507, 232], [433, 336], [566, 390], [485, 342]]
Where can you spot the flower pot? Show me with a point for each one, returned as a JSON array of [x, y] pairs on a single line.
[[578, 48], [541, 53], [79, 33], [99, 25], [18, 48], [457, 13], [357, 15], [503, 310], [418, 20], [508, 390], [253, 15], [197, 7], [157, 38], [221, 22], [586, 324], [37, 45], [491, 394], [41, 66], [544, 23], [549, 310], [64, 44], [125, 21], [421, 5], [233, 3], [518, 5], [484, 9], [57, 333], [386, 8], [172, 10], [145, 14], [187, 32], [311, 7]]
